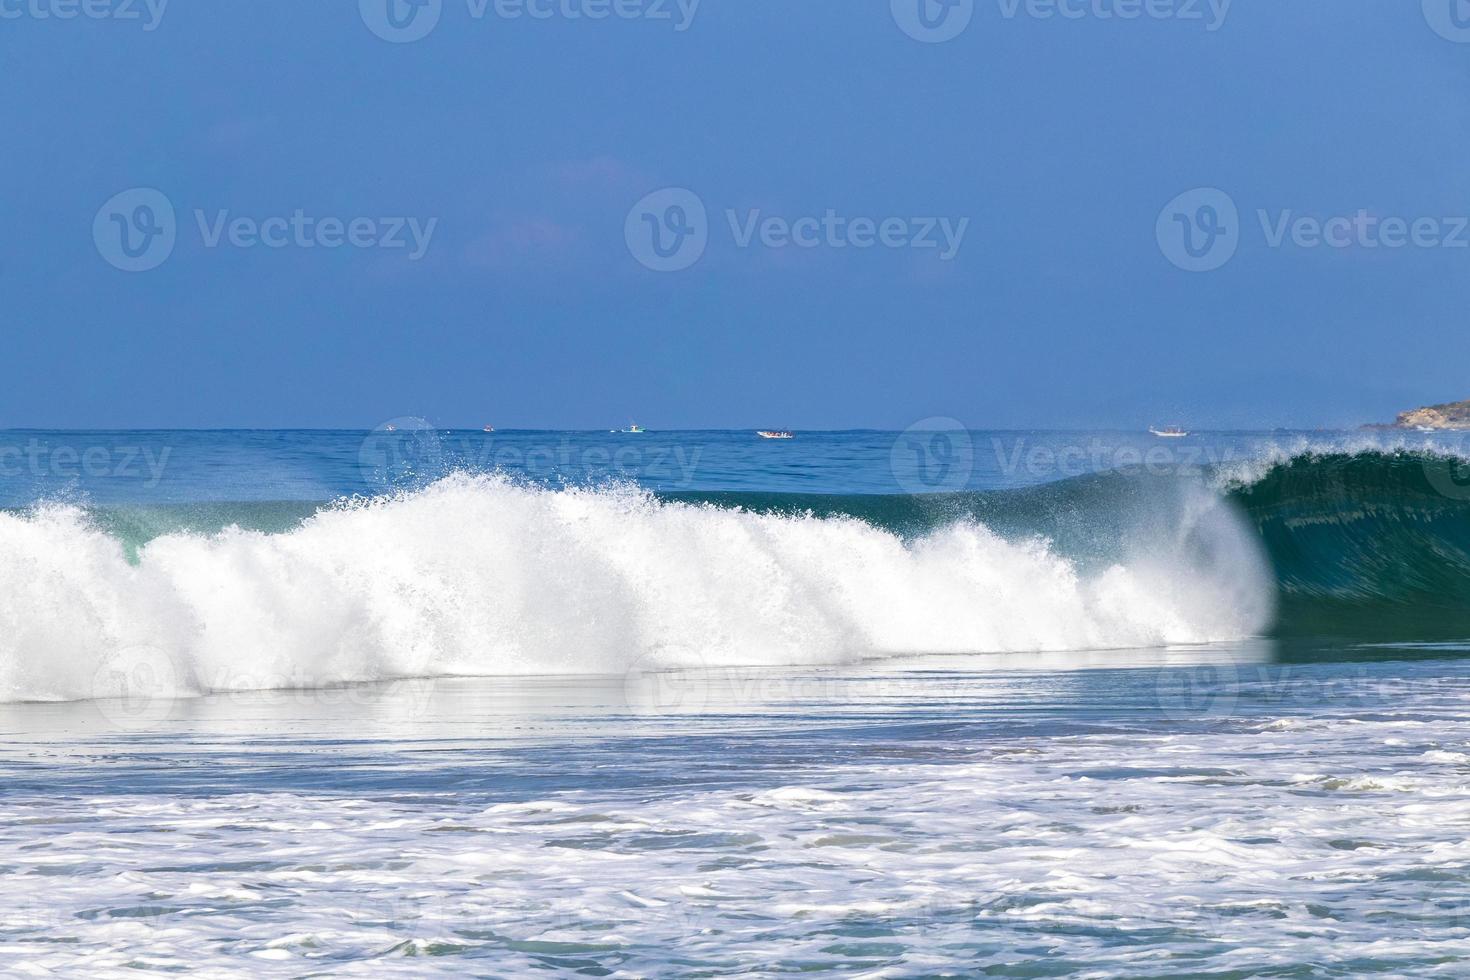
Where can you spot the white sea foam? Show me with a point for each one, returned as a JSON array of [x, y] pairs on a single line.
[[480, 576], [781, 839]]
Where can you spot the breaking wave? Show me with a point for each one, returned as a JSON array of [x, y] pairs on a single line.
[[479, 575]]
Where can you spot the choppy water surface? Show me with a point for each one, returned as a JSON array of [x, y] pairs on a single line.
[[1212, 812]]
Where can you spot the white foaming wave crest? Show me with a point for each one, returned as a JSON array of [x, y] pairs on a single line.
[[1238, 474], [481, 576]]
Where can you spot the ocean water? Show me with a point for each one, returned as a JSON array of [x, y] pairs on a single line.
[[932, 703]]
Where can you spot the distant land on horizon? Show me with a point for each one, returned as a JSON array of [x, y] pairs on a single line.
[[1450, 415]]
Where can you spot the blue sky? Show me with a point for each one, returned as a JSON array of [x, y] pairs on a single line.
[[524, 144]]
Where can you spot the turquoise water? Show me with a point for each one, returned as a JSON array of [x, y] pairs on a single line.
[[694, 704]]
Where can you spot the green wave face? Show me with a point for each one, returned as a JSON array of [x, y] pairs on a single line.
[[1369, 544]]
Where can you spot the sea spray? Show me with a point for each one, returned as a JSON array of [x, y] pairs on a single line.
[[477, 575]]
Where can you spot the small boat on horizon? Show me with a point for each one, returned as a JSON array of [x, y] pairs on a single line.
[[775, 434], [1169, 432], [488, 428], [633, 429]]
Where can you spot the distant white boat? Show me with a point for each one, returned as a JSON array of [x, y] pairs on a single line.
[[1171, 432], [632, 429], [775, 434]]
